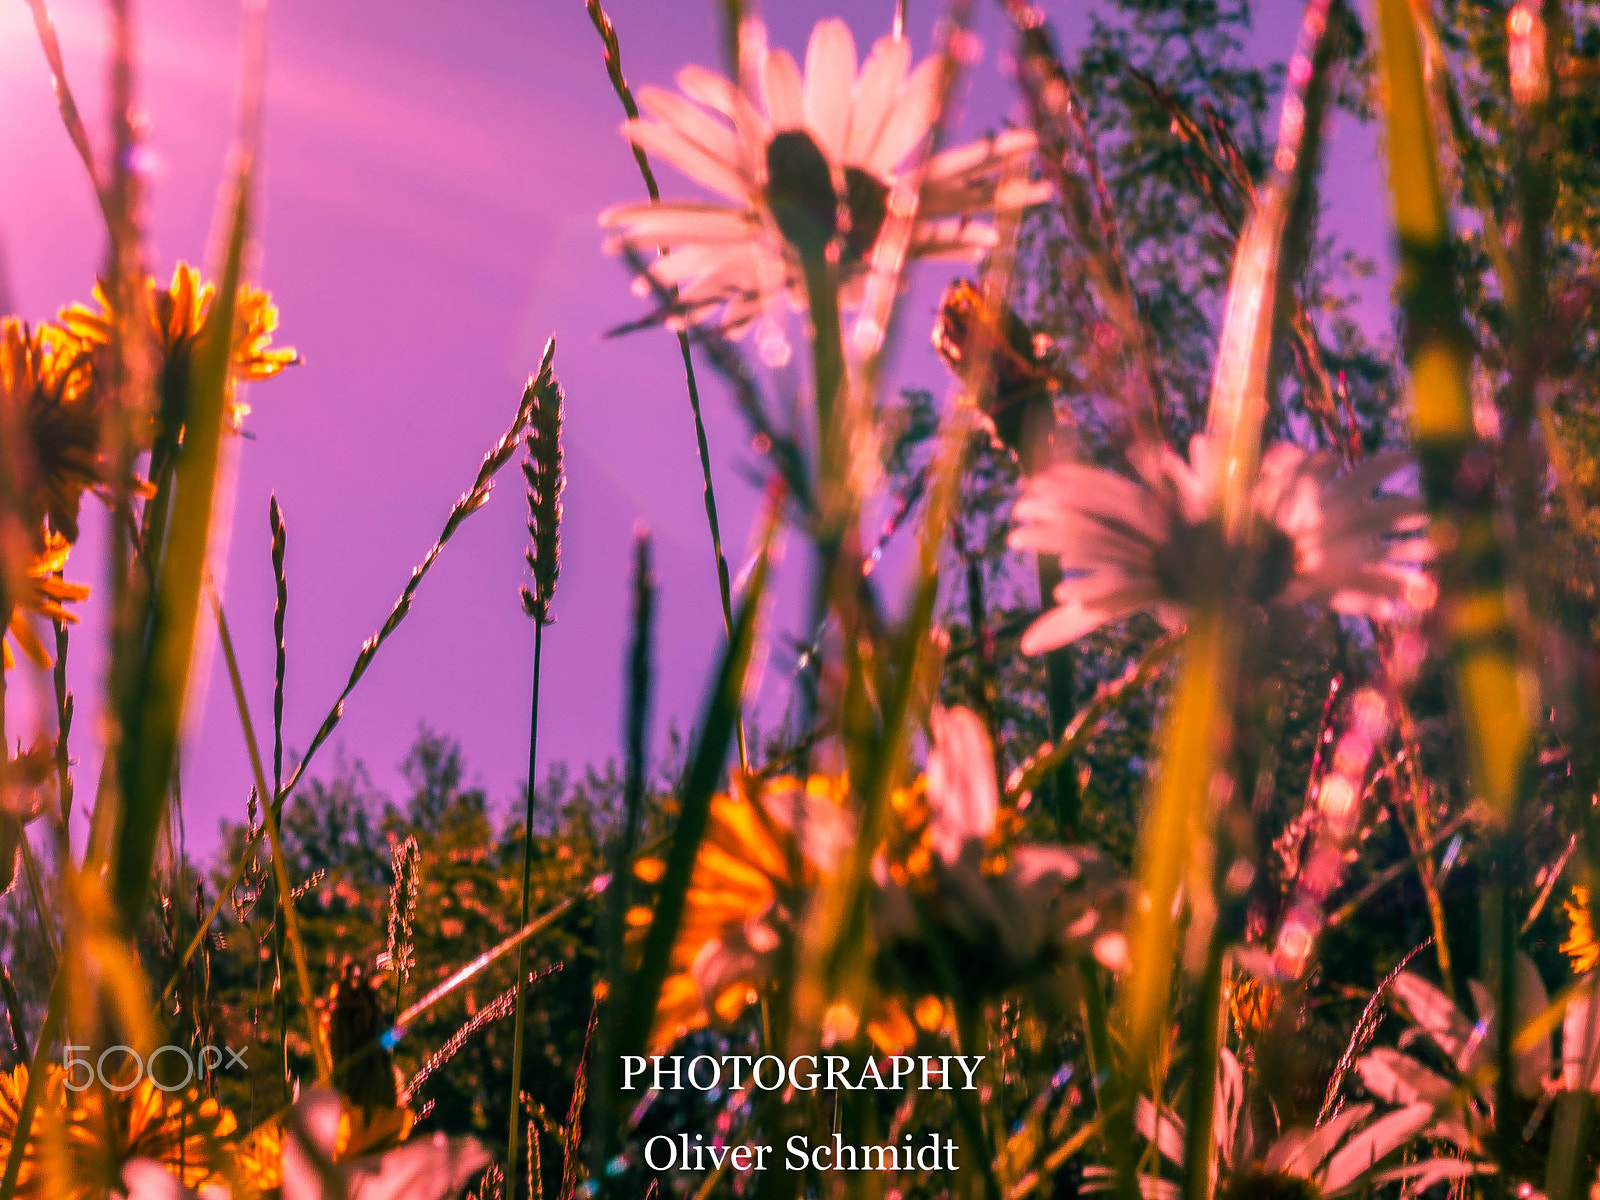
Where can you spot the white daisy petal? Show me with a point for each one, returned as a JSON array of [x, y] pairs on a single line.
[[881, 78], [714, 91], [710, 134], [1374, 1143], [1066, 624], [783, 91], [963, 795], [830, 79], [669, 224], [909, 120], [694, 161]]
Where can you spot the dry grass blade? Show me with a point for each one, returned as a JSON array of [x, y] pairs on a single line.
[[497, 1009], [280, 606], [1056, 114], [468, 503], [70, 116], [619, 893], [1047, 759]]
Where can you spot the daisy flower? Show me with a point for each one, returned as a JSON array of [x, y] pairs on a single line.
[[1336, 1158], [766, 841], [976, 913], [805, 166], [1460, 1099], [1156, 542], [180, 318]]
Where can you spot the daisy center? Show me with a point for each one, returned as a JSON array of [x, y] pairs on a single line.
[[806, 207]]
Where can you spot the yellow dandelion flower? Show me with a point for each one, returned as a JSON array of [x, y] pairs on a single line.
[[1581, 945], [46, 397], [745, 870], [258, 1160], [13, 1084], [180, 316], [79, 1141], [182, 1132], [42, 594]]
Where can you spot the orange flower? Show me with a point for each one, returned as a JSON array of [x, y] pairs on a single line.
[[180, 318], [46, 398], [80, 1140], [1581, 945], [42, 594]]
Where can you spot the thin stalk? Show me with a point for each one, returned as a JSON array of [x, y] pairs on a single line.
[[280, 604], [64, 712], [612, 55], [280, 868], [1060, 684], [30, 866], [14, 1015], [1116, 1116], [527, 882]]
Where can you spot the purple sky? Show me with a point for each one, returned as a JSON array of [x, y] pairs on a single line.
[[431, 183]]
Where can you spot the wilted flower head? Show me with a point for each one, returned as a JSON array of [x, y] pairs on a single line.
[[1156, 541], [180, 319], [1023, 380], [805, 166], [980, 910]]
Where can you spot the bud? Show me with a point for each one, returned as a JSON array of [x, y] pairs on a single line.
[[1019, 398]]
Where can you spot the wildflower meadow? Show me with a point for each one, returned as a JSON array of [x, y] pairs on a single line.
[[1158, 761]]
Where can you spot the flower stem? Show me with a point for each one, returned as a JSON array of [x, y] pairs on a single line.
[[522, 921]]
